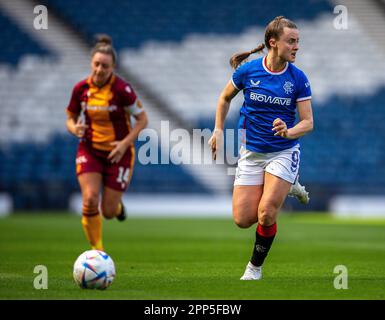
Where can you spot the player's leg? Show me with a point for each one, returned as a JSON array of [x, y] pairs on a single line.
[[274, 195], [90, 185], [245, 204], [280, 173], [245, 212], [299, 191], [89, 170], [112, 205], [116, 181], [248, 188]]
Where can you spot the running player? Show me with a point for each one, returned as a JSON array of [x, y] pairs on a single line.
[[274, 89], [99, 115]]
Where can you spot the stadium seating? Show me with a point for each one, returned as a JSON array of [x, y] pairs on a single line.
[[165, 21], [16, 43], [47, 173], [179, 50]]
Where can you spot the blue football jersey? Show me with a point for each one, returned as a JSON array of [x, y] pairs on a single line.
[[268, 95]]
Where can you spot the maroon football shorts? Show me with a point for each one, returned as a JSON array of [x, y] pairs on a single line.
[[116, 176]]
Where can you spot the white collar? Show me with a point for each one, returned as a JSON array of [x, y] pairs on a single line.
[[273, 72]]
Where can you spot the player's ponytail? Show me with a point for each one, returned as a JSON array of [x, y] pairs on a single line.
[[104, 45], [273, 30], [237, 58]]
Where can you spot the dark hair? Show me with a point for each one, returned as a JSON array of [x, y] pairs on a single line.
[[273, 30], [104, 45]]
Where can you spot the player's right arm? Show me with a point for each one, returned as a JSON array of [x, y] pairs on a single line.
[[223, 106], [75, 114], [75, 125]]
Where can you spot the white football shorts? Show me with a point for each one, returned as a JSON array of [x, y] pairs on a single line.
[[252, 166]]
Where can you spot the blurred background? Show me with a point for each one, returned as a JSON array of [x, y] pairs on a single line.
[[175, 54]]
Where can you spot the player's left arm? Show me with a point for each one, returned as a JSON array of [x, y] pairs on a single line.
[[304, 125], [120, 147], [141, 122]]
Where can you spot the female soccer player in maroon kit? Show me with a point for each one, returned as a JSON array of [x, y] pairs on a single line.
[[99, 115]]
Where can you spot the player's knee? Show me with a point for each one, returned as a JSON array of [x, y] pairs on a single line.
[[242, 217], [266, 221], [108, 216], [266, 215], [108, 212], [91, 201], [244, 221]]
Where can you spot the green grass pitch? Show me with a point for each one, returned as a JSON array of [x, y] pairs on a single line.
[[186, 258]]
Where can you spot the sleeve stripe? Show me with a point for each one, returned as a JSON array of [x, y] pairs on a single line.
[[133, 109], [304, 98], [235, 86], [137, 111]]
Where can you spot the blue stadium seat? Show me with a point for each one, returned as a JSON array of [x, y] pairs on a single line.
[[131, 23], [344, 154], [16, 42], [43, 175]]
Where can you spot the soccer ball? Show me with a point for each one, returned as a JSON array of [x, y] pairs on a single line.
[[94, 269]]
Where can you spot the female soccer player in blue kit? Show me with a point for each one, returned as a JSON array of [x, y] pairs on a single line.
[[269, 159]]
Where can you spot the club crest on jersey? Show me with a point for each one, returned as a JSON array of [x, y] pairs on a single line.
[[288, 87]]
